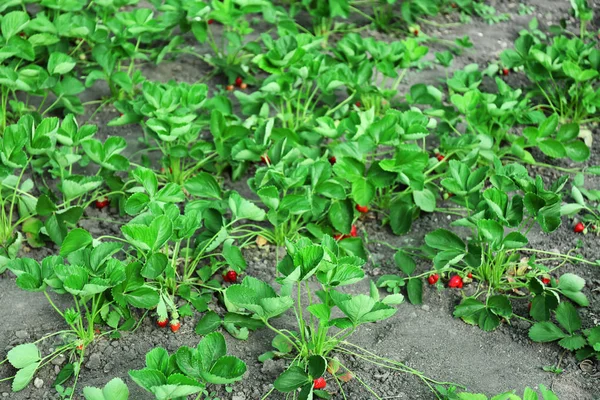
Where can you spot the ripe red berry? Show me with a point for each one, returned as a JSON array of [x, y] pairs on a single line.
[[230, 276], [175, 325], [362, 209], [100, 204], [338, 237], [357, 104], [432, 279], [416, 32], [319, 383], [579, 227], [439, 157], [332, 160], [238, 81], [353, 231], [470, 275], [456, 282], [504, 71], [545, 280], [162, 323], [210, 21]]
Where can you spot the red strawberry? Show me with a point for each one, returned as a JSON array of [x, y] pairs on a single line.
[[470, 275], [545, 280], [338, 237], [416, 32], [332, 160], [504, 71], [238, 81], [353, 231], [432, 279], [175, 325], [162, 323], [357, 104], [210, 21], [439, 157], [265, 159], [579, 227], [100, 204], [230, 276], [456, 282], [362, 209], [319, 383]]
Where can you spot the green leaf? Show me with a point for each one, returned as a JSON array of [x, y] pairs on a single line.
[[543, 332], [225, 370], [425, 200], [24, 376], [442, 239], [316, 366], [514, 240], [567, 317], [210, 322], [244, 209], [13, 23], [60, 63], [571, 282], [291, 379], [468, 307], [573, 342], [115, 389], [577, 151], [204, 185], [363, 191], [341, 214], [23, 355], [414, 289], [401, 217], [552, 148], [500, 305], [76, 239], [491, 231], [542, 304]]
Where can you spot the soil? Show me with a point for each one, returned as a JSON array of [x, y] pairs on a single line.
[[424, 337]]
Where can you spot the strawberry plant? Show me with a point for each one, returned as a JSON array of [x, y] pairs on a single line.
[[189, 370], [47, 145], [103, 289], [313, 346], [568, 332], [492, 257], [564, 72], [230, 19], [169, 115], [172, 247]]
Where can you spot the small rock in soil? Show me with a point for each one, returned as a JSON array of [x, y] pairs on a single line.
[[94, 361], [38, 383], [22, 334]]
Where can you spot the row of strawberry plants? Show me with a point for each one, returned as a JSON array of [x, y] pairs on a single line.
[[326, 163]]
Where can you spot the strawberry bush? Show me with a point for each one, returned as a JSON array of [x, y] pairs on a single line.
[[309, 140]]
